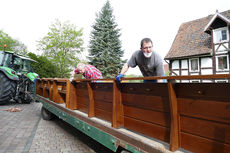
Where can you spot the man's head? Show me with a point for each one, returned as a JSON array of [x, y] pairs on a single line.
[[80, 68], [147, 47]]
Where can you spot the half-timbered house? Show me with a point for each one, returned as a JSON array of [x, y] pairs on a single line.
[[201, 47]]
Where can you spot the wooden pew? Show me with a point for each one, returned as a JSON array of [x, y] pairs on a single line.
[[192, 116]]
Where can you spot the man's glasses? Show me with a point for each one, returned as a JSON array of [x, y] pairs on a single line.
[[147, 47]]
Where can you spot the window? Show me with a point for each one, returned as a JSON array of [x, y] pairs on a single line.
[[222, 63], [7, 60], [194, 81], [26, 65], [224, 35], [221, 81], [220, 35], [194, 66]]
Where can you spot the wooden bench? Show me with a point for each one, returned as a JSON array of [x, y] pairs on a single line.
[[193, 116]]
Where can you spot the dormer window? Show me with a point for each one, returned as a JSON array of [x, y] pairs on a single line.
[[220, 35]]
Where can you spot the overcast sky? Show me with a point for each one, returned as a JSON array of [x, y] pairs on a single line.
[[29, 20]]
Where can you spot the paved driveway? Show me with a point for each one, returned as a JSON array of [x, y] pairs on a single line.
[[26, 132]]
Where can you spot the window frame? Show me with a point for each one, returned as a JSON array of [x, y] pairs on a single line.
[[217, 63], [218, 33], [190, 65]]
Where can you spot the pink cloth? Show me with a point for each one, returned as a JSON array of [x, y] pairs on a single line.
[[91, 72]]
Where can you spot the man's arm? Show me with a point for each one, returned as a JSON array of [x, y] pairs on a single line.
[[124, 69], [160, 71]]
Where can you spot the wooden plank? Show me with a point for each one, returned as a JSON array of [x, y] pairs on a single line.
[[210, 110], [50, 85], [57, 97], [82, 92], [81, 85], [215, 76], [148, 89], [154, 117], [68, 94], [105, 115], [38, 87], [174, 128], [148, 129], [83, 100], [73, 98], [104, 105], [107, 87], [55, 91], [91, 112], [83, 108], [204, 91], [155, 103], [106, 96], [202, 145], [118, 113], [205, 128], [44, 91], [60, 80]]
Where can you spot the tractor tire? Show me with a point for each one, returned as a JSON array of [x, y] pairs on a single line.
[[46, 115], [7, 89], [29, 96]]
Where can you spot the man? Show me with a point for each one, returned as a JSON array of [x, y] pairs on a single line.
[[149, 62], [88, 71]]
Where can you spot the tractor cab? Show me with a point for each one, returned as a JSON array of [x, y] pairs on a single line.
[[16, 76]]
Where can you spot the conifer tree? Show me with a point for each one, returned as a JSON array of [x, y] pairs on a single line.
[[105, 47]]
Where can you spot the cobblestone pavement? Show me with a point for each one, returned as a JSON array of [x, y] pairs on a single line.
[[26, 132]]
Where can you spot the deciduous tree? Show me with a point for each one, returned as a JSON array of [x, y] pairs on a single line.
[[61, 45], [43, 67], [10, 44]]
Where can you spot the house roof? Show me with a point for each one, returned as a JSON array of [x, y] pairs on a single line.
[[192, 38], [217, 15]]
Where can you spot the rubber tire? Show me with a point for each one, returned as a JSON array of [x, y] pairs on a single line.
[[7, 88], [46, 115]]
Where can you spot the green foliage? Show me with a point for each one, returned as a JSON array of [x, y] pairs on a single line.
[[167, 73], [61, 46], [105, 47], [11, 44], [134, 76], [44, 68]]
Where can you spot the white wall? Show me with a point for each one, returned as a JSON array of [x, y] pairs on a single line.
[[206, 71], [184, 64], [184, 72], [175, 64], [206, 62], [221, 47]]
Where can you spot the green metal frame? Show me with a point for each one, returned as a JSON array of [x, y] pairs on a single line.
[[100, 136], [8, 72]]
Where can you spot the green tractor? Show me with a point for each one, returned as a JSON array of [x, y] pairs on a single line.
[[16, 78]]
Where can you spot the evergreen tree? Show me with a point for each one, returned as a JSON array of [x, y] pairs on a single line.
[[105, 47]]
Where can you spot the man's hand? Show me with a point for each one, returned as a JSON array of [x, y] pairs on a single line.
[[118, 78]]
